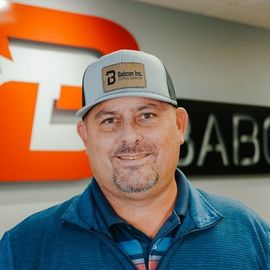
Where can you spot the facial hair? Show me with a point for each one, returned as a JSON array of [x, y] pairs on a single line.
[[135, 179]]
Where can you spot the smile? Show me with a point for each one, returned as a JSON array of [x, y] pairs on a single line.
[[132, 157]]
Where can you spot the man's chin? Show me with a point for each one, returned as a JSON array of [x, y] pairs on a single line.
[[135, 183]]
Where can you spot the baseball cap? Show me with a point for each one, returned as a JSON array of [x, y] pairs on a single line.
[[126, 73]]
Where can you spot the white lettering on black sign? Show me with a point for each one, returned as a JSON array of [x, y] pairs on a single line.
[[226, 139]]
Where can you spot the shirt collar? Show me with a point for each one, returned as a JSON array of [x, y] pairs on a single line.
[[81, 209], [182, 199], [104, 212]]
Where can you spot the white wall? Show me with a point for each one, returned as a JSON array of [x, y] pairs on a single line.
[[208, 59]]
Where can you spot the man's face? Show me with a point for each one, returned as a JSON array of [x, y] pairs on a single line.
[[133, 143]]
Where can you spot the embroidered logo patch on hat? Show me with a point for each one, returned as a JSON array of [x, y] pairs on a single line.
[[123, 75]]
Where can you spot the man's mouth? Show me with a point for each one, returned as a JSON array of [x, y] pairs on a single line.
[[132, 157]]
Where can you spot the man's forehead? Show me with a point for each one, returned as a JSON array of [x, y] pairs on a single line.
[[129, 104]]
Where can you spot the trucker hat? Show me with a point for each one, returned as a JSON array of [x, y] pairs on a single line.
[[126, 73]]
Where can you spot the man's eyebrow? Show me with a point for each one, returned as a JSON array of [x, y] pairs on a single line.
[[104, 112], [150, 106]]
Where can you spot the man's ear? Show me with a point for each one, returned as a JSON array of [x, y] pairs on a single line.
[[81, 130], [182, 122]]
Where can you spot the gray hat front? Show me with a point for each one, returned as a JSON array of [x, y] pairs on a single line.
[[126, 73]]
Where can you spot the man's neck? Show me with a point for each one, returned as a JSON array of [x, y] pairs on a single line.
[[149, 213]]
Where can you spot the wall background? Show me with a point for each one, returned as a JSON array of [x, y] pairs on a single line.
[[208, 59]]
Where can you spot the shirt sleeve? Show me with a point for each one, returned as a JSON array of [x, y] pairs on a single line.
[[6, 256]]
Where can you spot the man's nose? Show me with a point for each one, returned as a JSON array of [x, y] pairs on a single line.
[[131, 133]]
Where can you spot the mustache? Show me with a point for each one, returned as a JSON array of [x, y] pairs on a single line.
[[137, 148]]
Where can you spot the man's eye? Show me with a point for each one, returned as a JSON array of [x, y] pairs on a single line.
[[147, 115], [109, 121]]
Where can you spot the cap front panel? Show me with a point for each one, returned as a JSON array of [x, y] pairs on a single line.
[[125, 73]]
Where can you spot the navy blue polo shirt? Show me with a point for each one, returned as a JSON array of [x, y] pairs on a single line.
[[144, 251]]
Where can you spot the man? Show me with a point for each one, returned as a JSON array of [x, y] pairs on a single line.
[[139, 211]]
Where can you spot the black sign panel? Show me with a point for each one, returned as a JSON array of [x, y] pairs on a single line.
[[225, 139]]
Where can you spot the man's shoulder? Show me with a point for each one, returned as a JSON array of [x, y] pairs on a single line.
[[42, 220], [234, 211]]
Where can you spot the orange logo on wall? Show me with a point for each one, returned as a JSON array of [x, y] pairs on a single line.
[[18, 99]]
